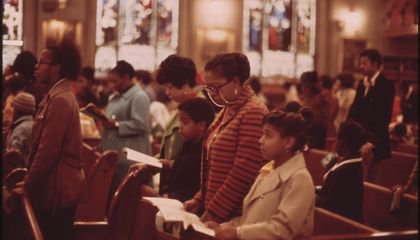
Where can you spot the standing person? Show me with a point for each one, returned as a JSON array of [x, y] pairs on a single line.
[[231, 153], [21, 128], [144, 78], [129, 124], [55, 181], [312, 97], [372, 108], [178, 75], [280, 203], [345, 96]]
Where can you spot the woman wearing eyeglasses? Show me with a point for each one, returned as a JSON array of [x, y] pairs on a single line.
[[231, 154]]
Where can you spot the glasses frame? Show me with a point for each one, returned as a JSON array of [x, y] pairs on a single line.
[[216, 89]]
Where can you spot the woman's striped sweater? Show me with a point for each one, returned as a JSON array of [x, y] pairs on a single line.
[[232, 157]]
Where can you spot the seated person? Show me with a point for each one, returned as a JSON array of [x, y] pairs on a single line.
[[280, 204], [342, 191], [21, 128], [196, 114], [401, 134]]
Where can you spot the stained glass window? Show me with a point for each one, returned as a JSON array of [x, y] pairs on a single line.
[[12, 30], [279, 36], [141, 32]]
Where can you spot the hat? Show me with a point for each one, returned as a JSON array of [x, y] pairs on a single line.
[[24, 102]]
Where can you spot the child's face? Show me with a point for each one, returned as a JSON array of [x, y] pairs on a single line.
[[190, 130], [272, 144]]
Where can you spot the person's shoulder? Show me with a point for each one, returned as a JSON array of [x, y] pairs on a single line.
[[255, 106]]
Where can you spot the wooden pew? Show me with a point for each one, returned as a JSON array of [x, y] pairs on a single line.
[[330, 144], [395, 170], [313, 159], [145, 221], [406, 148], [146, 229], [89, 156], [12, 159], [328, 223], [93, 207], [122, 210], [22, 214], [377, 203], [400, 235]]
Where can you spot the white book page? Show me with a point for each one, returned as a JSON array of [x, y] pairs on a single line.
[[173, 210], [203, 229], [141, 158], [165, 202]]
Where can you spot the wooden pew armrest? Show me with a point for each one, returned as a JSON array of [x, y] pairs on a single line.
[[100, 230], [91, 224]]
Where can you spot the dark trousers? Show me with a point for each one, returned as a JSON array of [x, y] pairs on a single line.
[[58, 225]]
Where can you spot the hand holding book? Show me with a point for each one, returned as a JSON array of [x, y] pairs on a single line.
[[172, 210]]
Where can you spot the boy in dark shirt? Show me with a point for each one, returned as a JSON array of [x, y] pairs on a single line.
[[196, 115], [342, 190]]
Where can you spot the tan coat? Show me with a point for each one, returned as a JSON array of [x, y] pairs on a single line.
[[280, 205], [56, 137]]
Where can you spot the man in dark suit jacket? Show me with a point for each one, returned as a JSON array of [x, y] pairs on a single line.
[[372, 107]]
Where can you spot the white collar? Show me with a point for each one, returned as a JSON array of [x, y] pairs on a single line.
[[373, 79], [337, 165]]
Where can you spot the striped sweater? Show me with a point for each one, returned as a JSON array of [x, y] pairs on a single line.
[[232, 157]]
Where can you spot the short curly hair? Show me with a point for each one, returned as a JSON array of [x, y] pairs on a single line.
[[67, 55], [373, 55], [24, 64], [177, 70], [230, 65], [123, 68]]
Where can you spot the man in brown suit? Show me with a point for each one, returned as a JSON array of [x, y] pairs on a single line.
[[56, 180]]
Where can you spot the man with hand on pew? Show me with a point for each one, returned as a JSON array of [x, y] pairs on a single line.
[[372, 108]]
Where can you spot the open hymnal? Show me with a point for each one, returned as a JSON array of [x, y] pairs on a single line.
[[173, 210], [141, 157], [93, 111]]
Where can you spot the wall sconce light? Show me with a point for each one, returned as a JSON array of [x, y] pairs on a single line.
[[350, 22]]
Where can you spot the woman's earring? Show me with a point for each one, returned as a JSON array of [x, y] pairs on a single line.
[[235, 91]]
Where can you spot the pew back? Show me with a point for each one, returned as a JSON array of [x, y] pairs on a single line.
[[89, 156], [93, 207], [327, 223], [377, 203], [122, 210], [313, 159], [395, 170], [406, 148], [12, 159]]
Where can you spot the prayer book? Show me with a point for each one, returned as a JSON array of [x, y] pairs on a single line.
[[173, 210], [141, 157], [93, 111]]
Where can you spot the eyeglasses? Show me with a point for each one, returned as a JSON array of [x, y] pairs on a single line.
[[215, 89]]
